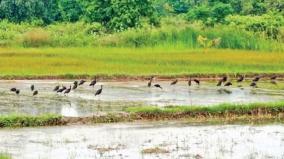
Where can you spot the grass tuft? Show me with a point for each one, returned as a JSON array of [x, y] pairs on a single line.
[[16, 120], [217, 109]]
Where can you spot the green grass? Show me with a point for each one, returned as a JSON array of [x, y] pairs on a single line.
[[5, 156], [222, 112], [29, 120], [217, 109], [71, 62]]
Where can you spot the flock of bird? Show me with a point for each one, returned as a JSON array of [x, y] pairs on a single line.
[[63, 89], [222, 81]]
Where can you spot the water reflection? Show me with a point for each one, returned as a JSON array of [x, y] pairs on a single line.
[[129, 140]]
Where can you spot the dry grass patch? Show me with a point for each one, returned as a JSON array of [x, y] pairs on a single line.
[[155, 150], [106, 149]]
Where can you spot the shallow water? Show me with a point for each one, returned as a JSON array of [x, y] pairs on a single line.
[[129, 140], [117, 95]]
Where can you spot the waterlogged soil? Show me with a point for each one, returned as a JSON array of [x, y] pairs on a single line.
[[145, 140], [118, 95]]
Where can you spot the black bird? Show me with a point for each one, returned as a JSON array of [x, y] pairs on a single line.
[[197, 81], [74, 86], [273, 77], [256, 79], [253, 84], [150, 81], [75, 82], [224, 79], [67, 90], [61, 89], [17, 91], [219, 83], [82, 82], [189, 82], [228, 84], [56, 88], [174, 82], [240, 79], [98, 92], [32, 87], [35, 93], [13, 89], [158, 86], [93, 83]]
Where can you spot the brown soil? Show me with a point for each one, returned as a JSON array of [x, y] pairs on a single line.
[[253, 116]]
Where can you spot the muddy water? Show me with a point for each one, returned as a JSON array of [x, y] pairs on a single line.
[[129, 140], [116, 95]]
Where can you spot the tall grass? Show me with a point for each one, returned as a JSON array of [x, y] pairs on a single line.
[[173, 33], [186, 37]]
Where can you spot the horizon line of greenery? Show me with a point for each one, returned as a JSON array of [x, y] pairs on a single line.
[[235, 24]]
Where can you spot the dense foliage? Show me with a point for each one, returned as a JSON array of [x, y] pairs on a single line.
[[34, 23], [114, 14]]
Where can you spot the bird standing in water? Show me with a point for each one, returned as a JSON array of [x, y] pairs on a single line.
[[61, 89], [32, 87], [56, 88], [253, 84], [174, 82], [240, 79], [274, 77], [256, 79], [98, 92], [189, 81], [158, 86], [67, 90], [222, 80], [150, 81], [228, 84], [35, 93], [81, 82], [17, 91], [74, 86], [219, 83], [13, 89], [197, 81], [93, 83]]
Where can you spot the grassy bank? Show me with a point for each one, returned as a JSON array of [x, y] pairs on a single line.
[[28, 121], [223, 113], [70, 62]]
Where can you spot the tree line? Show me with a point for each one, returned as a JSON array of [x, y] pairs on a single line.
[[118, 15]]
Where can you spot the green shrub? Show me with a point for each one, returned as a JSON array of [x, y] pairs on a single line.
[[269, 24]]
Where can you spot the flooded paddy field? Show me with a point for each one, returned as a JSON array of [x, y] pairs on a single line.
[[118, 95], [145, 140]]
